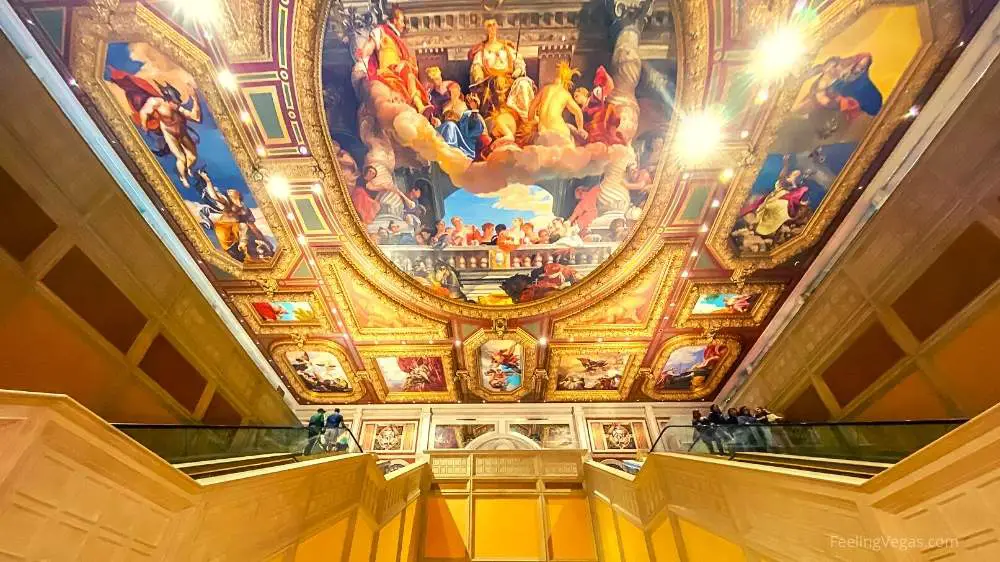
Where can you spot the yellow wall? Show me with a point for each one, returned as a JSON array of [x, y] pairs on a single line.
[[703, 545], [633, 540], [606, 529], [361, 543], [495, 535], [570, 529], [407, 552], [388, 540], [325, 545], [447, 532], [664, 543]]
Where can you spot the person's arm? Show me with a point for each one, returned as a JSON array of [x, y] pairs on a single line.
[[193, 114], [147, 111], [211, 190], [577, 114]]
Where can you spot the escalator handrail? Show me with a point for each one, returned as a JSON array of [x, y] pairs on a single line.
[[124, 426]]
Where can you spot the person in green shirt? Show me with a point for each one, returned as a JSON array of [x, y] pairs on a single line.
[[315, 428]]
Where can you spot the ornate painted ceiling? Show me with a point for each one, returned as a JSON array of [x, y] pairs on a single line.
[[516, 200]]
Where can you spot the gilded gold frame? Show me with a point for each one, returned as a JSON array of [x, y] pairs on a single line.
[[691, 24], [133, 22], [943, 21], [278, 350], [529, 363], [244, 304], [634, 350], [586, 323], [767, 295], [369, 356], [717, 376], [340, 273]]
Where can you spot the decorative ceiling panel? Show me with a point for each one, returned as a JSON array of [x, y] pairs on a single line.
[[461, 201]]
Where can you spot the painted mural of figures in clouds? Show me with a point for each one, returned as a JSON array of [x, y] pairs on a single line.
[[601, 371], [845, 90], [724, 304], [690, 366], [501, 364], [319, 371], [413, 374], [180, 130], [462, 168], [285, 312]]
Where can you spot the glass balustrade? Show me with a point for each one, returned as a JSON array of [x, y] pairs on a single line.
[[877, 442], [192, 443]]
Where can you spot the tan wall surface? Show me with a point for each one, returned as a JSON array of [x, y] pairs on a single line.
[[92, 348]]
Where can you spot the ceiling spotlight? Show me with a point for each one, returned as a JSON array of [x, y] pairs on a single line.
[[278, 187], [228, 80], [686, 175], [458, 343], [291, 216], [727, 175], [317, 188], [685, 274], [312, 261], [402, 342], [303, 150], [245, 116], [715, 203], [72, 83], [913, 112], [673, 304], [344, 335], [704, 228], [543, 340], [600, 340], [694, 253], [301, 238], [261, 151], [778, 55], [761, 96], [699, 135], [744, 134]]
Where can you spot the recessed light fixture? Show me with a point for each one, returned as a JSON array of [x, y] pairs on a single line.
[[715, 203], [694, 253], [543, 340], [317, 188], [699, 135], [303, 150], [704, 228], [744, 134], [228, 80], [245, 116], [278, 187], [301, 238]]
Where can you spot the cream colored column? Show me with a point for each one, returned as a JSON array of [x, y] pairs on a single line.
[[651, 423], [582, 433], [424, 432]]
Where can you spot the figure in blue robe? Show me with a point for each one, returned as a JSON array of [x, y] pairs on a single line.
[[462, 132]]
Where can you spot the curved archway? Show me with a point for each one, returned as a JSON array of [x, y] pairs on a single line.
[[496, 441]]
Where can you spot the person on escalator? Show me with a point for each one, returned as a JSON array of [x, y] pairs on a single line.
[[334, 427], [315, 429], [705, 430]]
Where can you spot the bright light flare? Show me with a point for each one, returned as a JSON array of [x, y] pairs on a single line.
[[778, 54], [228, 80], [699, 135], [278, 187], [207, 13]]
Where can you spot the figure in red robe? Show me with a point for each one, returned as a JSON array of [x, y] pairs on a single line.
[[603, 119], [389, 60], [586, 210]]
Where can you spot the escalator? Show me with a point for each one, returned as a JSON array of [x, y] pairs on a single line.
[[203, 451], [851, 449]]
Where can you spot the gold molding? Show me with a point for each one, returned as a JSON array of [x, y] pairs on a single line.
[[134, 23], [244, 304], [358, 391], [308, 36], [369, 356], [594, 322], [717, 375], [341, 274], [767, 295], [529, 362], [559, 351], [943, 21]]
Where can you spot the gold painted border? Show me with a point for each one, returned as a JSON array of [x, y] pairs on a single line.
[[768, 294], [716, 377], [667, 264], [692, 25], [559, 351], [278, 350], [944, 20], [369, 356], [339, 272], [530, 363], [244, 304], [134, 22], [376, 423]]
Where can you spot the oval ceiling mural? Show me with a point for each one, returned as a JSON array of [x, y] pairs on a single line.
[[503, 161]]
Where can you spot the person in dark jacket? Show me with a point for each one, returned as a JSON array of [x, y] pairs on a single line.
[[705, 430], [334, 427], [315, 428]]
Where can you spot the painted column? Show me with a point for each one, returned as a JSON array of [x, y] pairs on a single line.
[[424, 431], [582, 433]]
